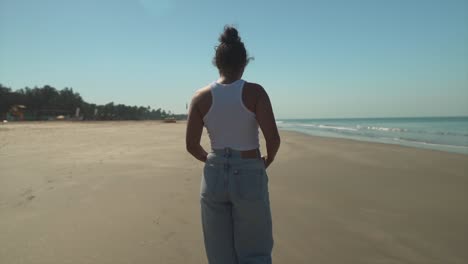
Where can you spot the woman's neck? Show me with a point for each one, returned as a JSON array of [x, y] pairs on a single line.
[[226, 79]]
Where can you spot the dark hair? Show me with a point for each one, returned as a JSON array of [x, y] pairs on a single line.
[[231, 55]]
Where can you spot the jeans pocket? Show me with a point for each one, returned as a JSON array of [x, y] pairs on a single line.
[[211, 176], [251, 184]]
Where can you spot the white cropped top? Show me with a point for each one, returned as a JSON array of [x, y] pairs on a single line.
[[228, 121]]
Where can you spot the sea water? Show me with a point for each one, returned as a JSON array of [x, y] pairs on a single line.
[[439, 133]]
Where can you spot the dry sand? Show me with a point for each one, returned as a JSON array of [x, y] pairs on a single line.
[[127, 192]]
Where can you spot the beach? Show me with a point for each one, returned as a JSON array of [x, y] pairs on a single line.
[[128, 192]]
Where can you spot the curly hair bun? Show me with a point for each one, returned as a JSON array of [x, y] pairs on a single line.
[[229, 36]]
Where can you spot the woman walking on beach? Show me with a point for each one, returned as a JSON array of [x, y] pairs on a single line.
[[235, 204]]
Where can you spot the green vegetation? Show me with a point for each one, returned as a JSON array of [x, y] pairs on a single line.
[[47, 103]]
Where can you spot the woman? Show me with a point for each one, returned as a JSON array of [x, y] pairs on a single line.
[[235, 205]]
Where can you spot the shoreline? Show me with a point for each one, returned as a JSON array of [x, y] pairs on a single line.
[[375, 142], [441, 133]]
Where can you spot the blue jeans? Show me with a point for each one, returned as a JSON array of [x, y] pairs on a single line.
[[235, 209]]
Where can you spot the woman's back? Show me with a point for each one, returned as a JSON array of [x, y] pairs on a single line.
[[228, 121]]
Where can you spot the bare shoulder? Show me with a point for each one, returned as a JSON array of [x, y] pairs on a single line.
[[202, 94], [202, 100], [254, 86], [203, 91], [254, 89]]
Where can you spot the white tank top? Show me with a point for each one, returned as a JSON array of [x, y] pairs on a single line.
[[229, 123]]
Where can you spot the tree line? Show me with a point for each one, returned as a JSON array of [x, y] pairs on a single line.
[[43, 103]]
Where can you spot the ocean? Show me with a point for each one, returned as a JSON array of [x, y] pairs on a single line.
[[439, 133]]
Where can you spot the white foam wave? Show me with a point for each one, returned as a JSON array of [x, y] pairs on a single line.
[[429, 143], [386, 129], [337, 128]]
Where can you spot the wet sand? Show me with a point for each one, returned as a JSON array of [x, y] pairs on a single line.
[[127, 192]]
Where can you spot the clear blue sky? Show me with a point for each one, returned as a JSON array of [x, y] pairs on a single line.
[[317, 59]]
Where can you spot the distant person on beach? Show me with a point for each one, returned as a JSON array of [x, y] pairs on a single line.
[[235, 206]]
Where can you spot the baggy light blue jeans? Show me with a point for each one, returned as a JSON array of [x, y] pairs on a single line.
[[235, 209]]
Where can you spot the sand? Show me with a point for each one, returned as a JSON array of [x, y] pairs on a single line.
[[127, 192]]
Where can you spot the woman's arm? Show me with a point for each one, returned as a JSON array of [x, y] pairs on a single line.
[[267, 122], [195, 130]]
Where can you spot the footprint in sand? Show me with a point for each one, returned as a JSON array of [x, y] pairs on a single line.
[[167, 236], [156, 221], [28, 191], [29, 197]]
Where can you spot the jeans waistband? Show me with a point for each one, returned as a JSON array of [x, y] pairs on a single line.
[[231, 153]]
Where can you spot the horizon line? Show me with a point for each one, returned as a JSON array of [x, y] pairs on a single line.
[[385, 117]]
